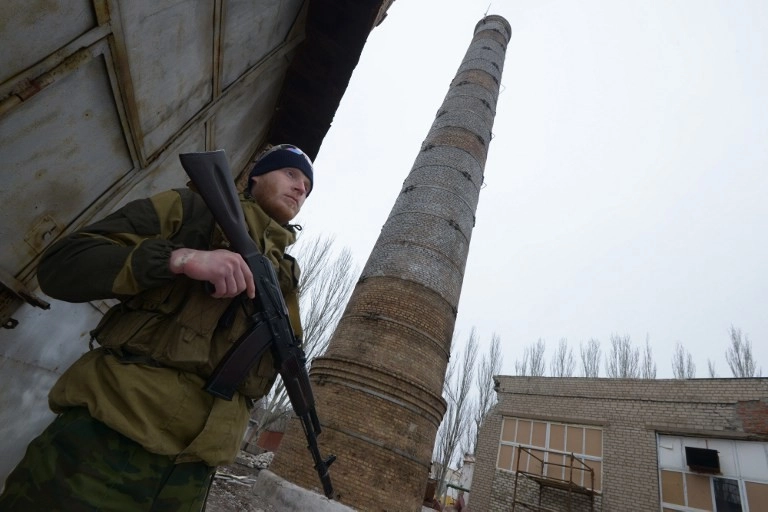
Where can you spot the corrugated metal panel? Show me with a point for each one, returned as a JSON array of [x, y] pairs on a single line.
[[70, 136], [23, 22], [238, 124], [166, 173], [60, 153], [248, 33], [167, 47]]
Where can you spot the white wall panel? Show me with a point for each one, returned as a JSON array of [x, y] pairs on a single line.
[[671, 453], [738, 459], [726, 452], [753, 461]]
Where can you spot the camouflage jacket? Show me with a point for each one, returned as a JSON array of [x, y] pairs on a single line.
[[167, 333]]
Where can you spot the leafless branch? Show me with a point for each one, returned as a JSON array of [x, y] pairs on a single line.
[[682, 363], [458, 417], [648, 366], [590, 358], [739, 356], [622, 362], [563, 364], [327, 280], [490, 366]]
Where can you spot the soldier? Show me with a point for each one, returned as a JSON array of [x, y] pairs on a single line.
[[135, 430]]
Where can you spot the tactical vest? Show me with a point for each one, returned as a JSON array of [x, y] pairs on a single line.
[[181, 326]]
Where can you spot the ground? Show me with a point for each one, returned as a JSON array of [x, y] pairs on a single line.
[[231, 488]]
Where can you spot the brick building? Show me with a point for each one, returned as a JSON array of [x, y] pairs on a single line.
[[624, 445]]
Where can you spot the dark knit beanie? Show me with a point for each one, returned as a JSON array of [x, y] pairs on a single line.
[[283, 155]]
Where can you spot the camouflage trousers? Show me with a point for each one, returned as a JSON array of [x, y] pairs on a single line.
[[80, 464]]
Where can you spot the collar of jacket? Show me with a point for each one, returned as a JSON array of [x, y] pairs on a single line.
[[264, 228]]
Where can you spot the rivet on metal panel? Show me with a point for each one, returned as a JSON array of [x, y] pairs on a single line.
[[42, 234], [9, 303]]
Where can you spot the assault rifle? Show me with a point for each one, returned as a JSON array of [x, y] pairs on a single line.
[[271, 328]]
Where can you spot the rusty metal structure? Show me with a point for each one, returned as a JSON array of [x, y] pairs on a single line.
[[380, 382], [97, 99], [562, 472]]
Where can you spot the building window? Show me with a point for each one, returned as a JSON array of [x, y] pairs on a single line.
[[727, 495], [546, 448], [688, 483]]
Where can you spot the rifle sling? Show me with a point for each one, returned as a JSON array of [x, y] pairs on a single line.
[[234, 367]]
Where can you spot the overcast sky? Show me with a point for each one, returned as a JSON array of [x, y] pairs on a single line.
[[627, 183]]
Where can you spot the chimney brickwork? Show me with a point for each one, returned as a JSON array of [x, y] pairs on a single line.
[[378, 387]]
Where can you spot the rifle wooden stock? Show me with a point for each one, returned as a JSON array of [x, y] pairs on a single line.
[[271, 328]]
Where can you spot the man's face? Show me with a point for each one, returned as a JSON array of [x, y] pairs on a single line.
[[281, 192]]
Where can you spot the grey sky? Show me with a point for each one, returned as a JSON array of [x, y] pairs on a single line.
[[627, 183]]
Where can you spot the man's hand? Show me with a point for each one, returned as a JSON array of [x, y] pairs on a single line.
[[225, 270]]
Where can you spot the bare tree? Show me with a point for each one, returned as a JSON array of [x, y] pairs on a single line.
[[562, 364], [682, 363], [490, 365], [711, 369], [521, 366], [622, 362], [649, 367], [458, 416], [327, 280], [326, 283], [590, 358], [739, 356], [532, 363]]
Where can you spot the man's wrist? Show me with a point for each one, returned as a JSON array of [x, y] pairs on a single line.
[[179, 257]]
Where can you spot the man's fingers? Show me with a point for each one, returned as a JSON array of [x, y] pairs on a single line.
[[250, 286], [225, 270]]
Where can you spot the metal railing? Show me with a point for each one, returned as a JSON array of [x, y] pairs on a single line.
[[542, 474]]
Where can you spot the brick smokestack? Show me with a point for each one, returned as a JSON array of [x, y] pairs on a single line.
[[379, 385]]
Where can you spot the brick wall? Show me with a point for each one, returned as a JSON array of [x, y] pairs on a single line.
[[630, 413]]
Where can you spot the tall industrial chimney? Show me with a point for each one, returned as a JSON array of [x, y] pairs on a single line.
[[379, 385]]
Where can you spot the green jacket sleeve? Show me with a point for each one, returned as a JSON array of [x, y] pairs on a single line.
[[128, 251]]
